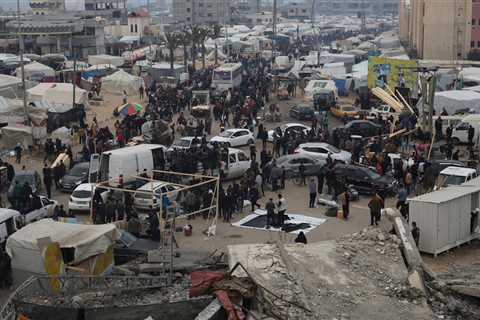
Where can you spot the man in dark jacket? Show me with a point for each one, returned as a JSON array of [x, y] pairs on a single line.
[[270, 207], [47, 180], [375, 206]]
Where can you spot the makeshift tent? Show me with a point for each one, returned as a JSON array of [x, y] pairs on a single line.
[[106, 59], [10, 86], [36, 71], [57, 95], [98, 70], [456, 99], [79, 243], [122, 81], [445, 217], [11, 135]]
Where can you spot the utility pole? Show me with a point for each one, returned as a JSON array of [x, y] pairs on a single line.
[[74, 78], [22, 67], [274, 30]]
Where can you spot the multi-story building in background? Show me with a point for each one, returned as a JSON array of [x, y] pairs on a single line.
[[440, 29], [110, 9], [301, 10], [47, 7], [353, 7], [202, 11]]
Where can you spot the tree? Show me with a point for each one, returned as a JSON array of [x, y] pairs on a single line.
[[186, 40], [215, 34], [173, 41], [203, 34], [195, 34]]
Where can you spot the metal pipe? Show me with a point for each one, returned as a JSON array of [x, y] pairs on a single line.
[[22, 67]]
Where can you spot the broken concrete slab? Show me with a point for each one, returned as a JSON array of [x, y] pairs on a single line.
[[352, 278], [214, 311], [472, 290]]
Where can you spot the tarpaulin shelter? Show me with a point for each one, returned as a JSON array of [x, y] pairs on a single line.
[[11, 135], [36, 71], [106, 59], [120, 81], [10, 86], [58, 95], [456, 99], [78, 243]]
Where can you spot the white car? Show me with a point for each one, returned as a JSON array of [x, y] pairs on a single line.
[[184, 143], [234, 137], [142, 199], [289, 128], [45, 210], [81, 197], [322, 150], [384, 110]]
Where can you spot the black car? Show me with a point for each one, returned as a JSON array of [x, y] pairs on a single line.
[[129, 247], [302, 112], [363, 128], [75, 176], [364, 179], [30, 176]]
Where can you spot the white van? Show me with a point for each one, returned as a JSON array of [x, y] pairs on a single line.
[[460, 132], [9, 223], [455, 176], [128, 161]]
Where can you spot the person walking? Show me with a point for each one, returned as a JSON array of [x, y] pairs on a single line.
[[141, 92], [345, 201], [375, 206], [18, 152], [282, 209], [270, 207], [254, 197], [320, 179], [47, 180], [312, 188], [415, 233], [471, 134]]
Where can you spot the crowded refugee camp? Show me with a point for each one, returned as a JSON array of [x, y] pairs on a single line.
[[239, 160]]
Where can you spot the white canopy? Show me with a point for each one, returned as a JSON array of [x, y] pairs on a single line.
[[86, 240], [58, 95], [36, 71], [106, 59], [120, 81], [457, 99]]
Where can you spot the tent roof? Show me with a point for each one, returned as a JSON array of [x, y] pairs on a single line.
[[446, 194], [6, 80], [459, 95], [88, 240], [37, 66]]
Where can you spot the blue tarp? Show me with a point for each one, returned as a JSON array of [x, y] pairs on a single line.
[[341, 86]]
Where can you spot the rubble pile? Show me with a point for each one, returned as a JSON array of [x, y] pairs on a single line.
[[456, 294], [356, 252], [118, 296]]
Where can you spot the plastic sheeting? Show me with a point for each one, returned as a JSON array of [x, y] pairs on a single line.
[[456, 99], [87, 240], [36, 71], [58, 95], [106, 59], [120, 81]]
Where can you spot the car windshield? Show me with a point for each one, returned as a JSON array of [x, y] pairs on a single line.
[[182, 143], [226, 134], [24, 178], [78, 171], [127, 239], [333, 149], [81, 194], [348, 108], [372, 174], [446, 180]]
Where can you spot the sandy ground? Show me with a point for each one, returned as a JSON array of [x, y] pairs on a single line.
[[296, 196]]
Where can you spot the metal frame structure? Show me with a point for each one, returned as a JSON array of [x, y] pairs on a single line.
[[167, 224]]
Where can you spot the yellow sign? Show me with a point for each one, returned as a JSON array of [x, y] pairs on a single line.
[[393, 73]]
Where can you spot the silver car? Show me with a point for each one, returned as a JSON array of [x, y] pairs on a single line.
[[292, 162]]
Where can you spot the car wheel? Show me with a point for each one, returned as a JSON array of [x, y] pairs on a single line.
[[228, 144], [455, 140], [250, 141]]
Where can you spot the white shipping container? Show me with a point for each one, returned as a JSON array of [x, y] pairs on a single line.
[[445, 217]]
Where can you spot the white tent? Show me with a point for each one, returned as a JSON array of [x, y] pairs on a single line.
[[57, 95], [120, 81], [456, 99], [106, 59], [36, 71], [85, 241]]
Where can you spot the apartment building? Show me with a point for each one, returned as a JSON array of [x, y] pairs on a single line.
[[298, 10], [353, 7], [110, 9], [202, 11], [46, 7], [440, 29]]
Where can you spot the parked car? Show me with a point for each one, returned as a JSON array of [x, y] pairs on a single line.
[[42, 207], [438, 165], [455, 176], [363, 128], [81, 197], [364, 179], [383, 110], [344, 111], [184, 143], [129, 247], [292, 163], [302, 112], [143, 198], [30, 176], [234, 137], [323, 150], [75, 176], [288, 128]]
